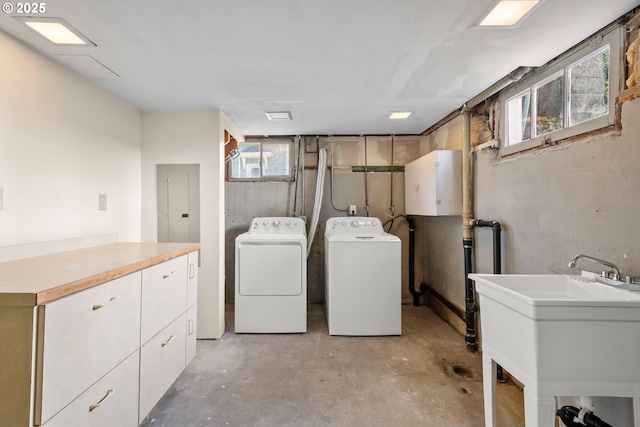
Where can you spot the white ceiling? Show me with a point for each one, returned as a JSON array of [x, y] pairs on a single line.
[[339, 66]]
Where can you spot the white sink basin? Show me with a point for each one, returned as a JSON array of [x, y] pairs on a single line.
[[562, 335]]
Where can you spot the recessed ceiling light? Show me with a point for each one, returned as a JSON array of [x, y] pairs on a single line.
[[278, 115], [508, 12], [57, 31], [399, 115]]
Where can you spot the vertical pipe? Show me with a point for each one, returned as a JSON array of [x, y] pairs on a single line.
[[303, 203], [391, 207], [467, 237], [497, 264], [366, 172], [333, 178]]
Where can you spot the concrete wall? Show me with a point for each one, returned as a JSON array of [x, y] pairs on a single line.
[[577, 197], [63, 141], [246, 200], [553, 203]]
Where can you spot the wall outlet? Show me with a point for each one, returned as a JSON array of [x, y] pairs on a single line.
[[352, 210], [102, 202]]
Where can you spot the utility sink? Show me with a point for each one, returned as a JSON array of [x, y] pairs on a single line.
[[560, 336], [541, 296]]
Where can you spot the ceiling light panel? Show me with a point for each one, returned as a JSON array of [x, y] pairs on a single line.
[[508, 12], [279, 115], [399, 115], [57, 31]]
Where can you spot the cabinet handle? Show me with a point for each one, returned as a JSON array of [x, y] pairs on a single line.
[[106, 396], [192, 271], [190, 326], [168, 341], [164, 276], [104, 304]]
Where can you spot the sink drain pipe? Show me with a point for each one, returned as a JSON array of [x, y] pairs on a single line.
[[497, 263]]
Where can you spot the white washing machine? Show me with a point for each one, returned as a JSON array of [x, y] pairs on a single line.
[[363, 289], [271, 277]]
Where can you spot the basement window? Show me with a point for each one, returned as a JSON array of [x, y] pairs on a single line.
[[262, 160], [569, 96]]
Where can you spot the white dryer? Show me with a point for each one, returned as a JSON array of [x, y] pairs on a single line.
[[271, 277], [363, 294]]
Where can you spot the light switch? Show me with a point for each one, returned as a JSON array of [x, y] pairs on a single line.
[[102, 202]]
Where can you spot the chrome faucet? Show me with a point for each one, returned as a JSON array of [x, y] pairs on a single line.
[[614, 269]]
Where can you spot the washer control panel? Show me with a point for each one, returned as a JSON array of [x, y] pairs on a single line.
[[277, 225], [355, 226]]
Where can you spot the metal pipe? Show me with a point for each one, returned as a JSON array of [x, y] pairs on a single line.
[[304, 193], [366, 172], [332, 180], [467, 236], [497, 264], [497, 255], [391, 207], [296, 176]]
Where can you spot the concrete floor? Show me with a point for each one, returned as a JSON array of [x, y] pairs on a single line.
[[426, 377]]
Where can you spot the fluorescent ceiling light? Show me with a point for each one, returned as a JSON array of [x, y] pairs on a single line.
[[508, 12], [278, 115], [57, 31], [399, 115]]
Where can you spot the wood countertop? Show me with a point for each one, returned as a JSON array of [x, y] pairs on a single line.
[[38, 280]]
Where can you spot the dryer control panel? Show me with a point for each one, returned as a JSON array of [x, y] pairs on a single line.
[[277, 225], [358, 226]]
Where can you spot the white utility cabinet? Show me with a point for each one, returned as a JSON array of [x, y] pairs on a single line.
[[95, 337], [433, 184]]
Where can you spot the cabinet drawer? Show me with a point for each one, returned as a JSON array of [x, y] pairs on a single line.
[[164, 295], [110, 402], [82, 337], [162, 359], [192, 284]]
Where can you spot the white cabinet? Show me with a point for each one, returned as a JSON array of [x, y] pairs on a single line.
[[99, 347], [161, 361], [164, 295], [192, 307], [87, 334], [112, 401], [433, 184]]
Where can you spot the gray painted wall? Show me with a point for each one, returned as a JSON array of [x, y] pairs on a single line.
[[577, 197]]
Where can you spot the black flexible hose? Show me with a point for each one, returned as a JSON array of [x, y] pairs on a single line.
[[569, 413]]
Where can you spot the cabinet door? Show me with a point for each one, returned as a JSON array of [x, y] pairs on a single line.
[[192, 317], [162, 359], [112, 401], [81, 338], [192, 286], [164, 295]]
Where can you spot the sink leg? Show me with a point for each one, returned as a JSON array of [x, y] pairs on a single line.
[[539, 411], [489, 368]]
